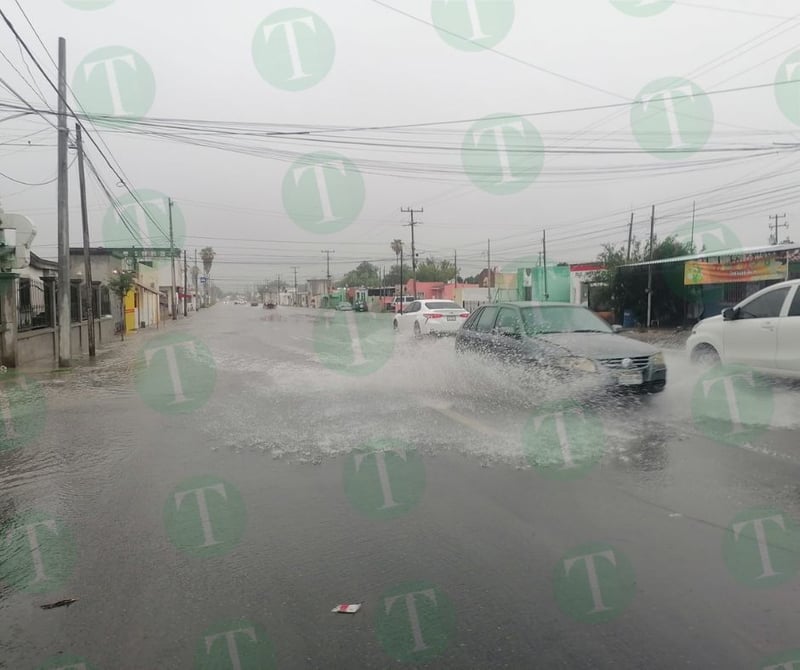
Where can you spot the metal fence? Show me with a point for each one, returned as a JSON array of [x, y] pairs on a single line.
[[33, 308]]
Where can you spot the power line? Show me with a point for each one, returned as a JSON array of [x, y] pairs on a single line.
[[77, 119]]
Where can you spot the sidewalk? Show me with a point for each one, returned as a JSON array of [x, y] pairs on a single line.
[[107, 353], [666, 338]]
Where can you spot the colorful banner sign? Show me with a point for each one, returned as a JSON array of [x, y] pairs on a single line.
[[762, 269]]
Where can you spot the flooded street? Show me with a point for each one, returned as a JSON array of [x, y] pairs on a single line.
[[208, 493]]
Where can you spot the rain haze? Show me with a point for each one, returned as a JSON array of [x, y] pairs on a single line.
[[479, 346], [391, 67]]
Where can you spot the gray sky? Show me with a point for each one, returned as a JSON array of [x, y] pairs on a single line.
[[391, 69]]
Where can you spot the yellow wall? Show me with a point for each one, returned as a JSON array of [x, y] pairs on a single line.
[[130, 314]]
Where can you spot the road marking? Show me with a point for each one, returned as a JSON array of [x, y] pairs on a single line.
[[467, 421], [355, 342]]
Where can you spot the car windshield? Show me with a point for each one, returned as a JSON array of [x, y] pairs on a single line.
[[540, 320]]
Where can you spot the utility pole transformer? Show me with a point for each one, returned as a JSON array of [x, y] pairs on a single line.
[[87, 261], [412, 223], [64, 287]]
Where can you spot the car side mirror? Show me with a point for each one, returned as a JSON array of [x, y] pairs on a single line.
[[616, 328], [730, 314]]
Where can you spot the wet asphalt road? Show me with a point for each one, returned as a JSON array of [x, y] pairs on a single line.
[[210, 492]]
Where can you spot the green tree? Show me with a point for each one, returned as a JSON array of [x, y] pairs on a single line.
[[393, 275], [431, 270], [621, 287], [120, 285], [366, 274]]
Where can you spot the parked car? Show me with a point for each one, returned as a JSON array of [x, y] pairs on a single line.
[[360, 306], [269, 305], [761, 332], [394, 306], [254, 303], [344, 307], [431, 317], [568, 339]]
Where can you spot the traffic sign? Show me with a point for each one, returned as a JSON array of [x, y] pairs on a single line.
[[149, 253], [203, 280]]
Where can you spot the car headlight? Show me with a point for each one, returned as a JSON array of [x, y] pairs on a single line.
[[577, 363], [658, 359]]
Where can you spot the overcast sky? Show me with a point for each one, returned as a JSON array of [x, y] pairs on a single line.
[[346, 70]]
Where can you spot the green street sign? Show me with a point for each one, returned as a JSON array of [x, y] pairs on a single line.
[[150, 253]]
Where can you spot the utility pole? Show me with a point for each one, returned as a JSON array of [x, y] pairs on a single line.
[[185, 285], [196, 274], [544, 258], [64, 288], [412, 223], [87, 262], [489, 267], [294, 267], [328, 253], [773, 238], [630, 238], [455, 273], [401, 279], [172, 262], [694, 210], [650, 268]]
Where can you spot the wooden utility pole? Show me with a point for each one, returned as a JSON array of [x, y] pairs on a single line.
[[694, 211], [630, 238], [412, 223], [173, 300], [196, 275], [87, 262], [544, 257], [294, 267], [773, 238], [489, 266], [328, 253], [185, 286], [64, 287], [401, 279], [650, 268]]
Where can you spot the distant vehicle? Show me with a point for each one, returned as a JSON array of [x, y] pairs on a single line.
[[344, 307], [360, 306], [269, 305], [254, 303], [761, 332], [431, 317], [569, 340], [394, 306]]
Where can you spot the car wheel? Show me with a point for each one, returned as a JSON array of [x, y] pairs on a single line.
[[705, 355]]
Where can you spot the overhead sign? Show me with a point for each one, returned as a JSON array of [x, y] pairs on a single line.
[[697, 273], [150, 253], [203, 280]]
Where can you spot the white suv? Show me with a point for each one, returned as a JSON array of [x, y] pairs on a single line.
[[762, 332]]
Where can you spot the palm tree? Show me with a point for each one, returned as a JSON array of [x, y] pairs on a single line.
[[207, 254], [397, 247]]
